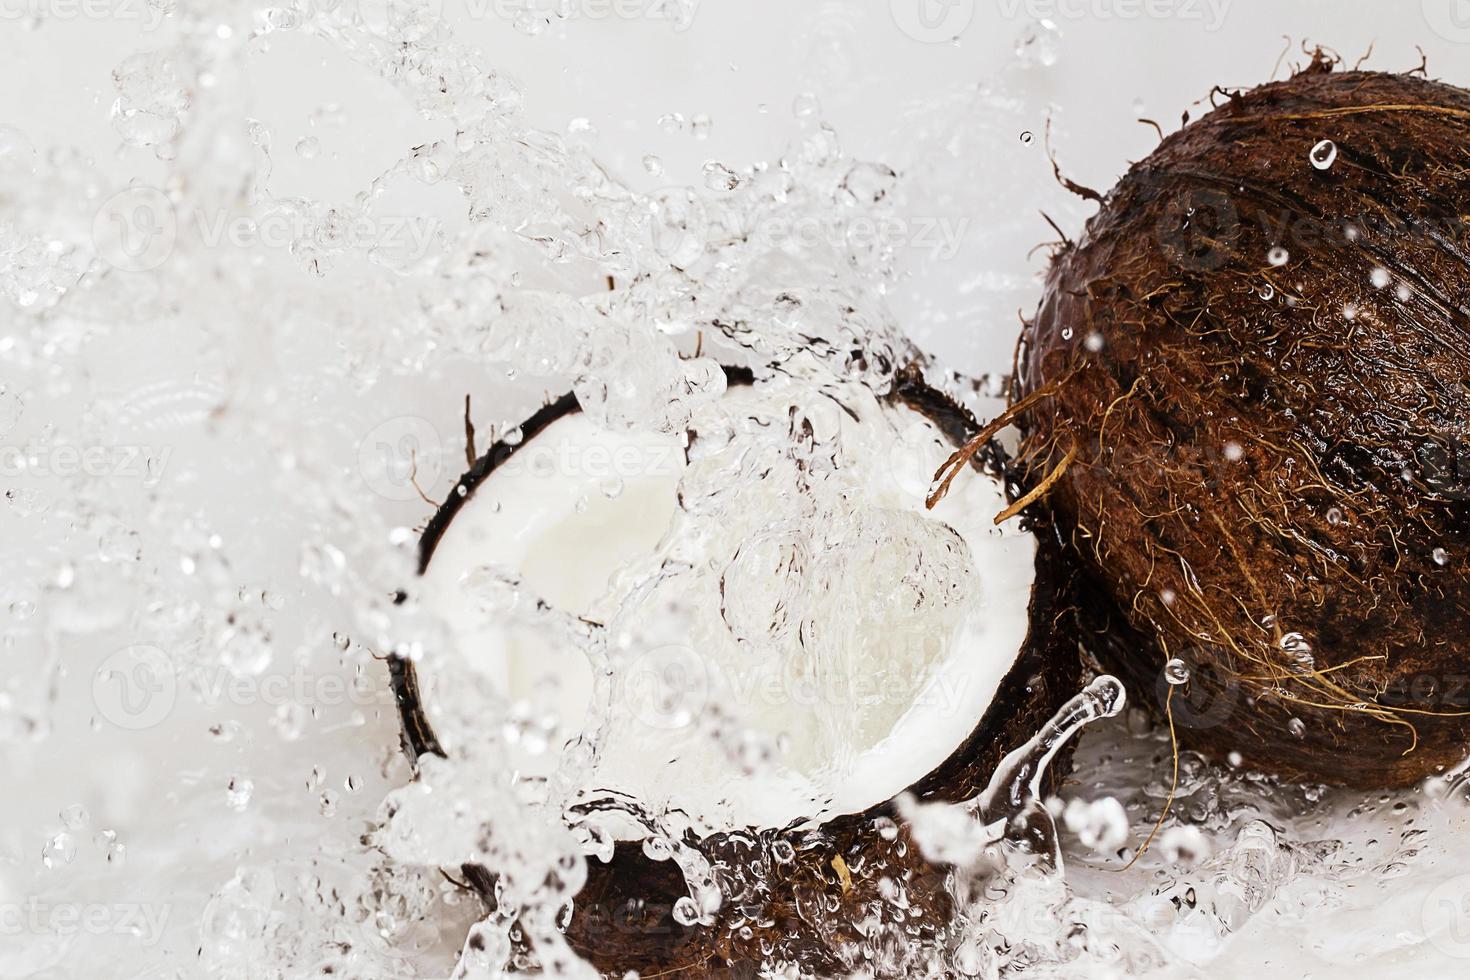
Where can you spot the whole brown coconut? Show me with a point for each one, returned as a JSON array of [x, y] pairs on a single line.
[[1246, 396]]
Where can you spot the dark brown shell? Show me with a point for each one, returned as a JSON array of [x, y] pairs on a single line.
[[1265, 448], [805, 911]]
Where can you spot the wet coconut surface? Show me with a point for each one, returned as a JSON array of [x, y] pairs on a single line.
[[1247, 381]]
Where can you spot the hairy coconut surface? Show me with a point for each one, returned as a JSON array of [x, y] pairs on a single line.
[[1246, 399], [799, 895]]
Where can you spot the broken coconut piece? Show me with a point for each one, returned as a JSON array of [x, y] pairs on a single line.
[[892, 650]]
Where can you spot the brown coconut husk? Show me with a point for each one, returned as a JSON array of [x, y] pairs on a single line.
[[1239, 450]]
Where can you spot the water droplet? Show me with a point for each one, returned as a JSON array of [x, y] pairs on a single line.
[[116, 851], [1297, 727], [671, 122], [1185, 846], [59, 850], [1278, 256], [1027, 137], [238, 793], [1176, 672], [718, 177], [1299, 651], [1324, 154], [11, 409], [685, 912], [308, 147]]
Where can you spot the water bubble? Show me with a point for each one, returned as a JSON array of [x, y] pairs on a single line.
[[1176, 672], [1185, 846], [685, 912], [806, 106], [60, 850], [1379, 278], [1094, 342], [1234, 451], [1297, 727], [1441, 556], [657, 849], [1334, 516], [1324, 155], [11, 409], [308, 147], [1299, 651], [1101, 825], [783, 851], [718, 177], [671, 122], [700, 126], [75, 817], [1278, 256], [1027, 137], [1267, 291], [653, 165], [115, 851], [1037, 44], [238, 792]]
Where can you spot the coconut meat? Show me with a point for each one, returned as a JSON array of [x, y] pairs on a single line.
[[580, 515]]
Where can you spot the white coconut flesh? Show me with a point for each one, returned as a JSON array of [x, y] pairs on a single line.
[[769, 665]]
